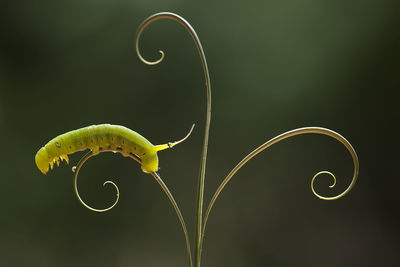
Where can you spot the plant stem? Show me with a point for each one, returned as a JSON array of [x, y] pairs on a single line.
[[178, 212], [202, 171]]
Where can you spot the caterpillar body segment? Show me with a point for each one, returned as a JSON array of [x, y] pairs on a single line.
[[96, 138]]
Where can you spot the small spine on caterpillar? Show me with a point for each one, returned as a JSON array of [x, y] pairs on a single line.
[[98, 137]]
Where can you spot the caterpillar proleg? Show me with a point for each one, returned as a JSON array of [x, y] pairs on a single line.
[[98, 137]]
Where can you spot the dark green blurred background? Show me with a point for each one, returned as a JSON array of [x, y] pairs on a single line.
[[275, 66]]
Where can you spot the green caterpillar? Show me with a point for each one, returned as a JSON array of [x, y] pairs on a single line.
[[101, 137]]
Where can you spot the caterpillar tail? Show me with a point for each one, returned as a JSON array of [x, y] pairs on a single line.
[[172, 144]]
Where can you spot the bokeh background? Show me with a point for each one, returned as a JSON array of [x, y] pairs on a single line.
[[274, 65]]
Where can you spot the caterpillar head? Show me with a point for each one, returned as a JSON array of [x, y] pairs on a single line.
[[44, 160]]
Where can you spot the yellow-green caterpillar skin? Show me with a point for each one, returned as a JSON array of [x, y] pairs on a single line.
[[97, 137]]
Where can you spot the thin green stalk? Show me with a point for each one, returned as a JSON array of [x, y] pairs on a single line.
[[178, 212], [202, 170]]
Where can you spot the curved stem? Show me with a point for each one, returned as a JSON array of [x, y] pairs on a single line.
[[178, 212], [164, 187], [299, 131], [200, 187]]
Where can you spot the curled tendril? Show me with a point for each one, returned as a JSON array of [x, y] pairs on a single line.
[[299, 131], [184, 23], [164, 187], [76, 170], [331, 186]]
